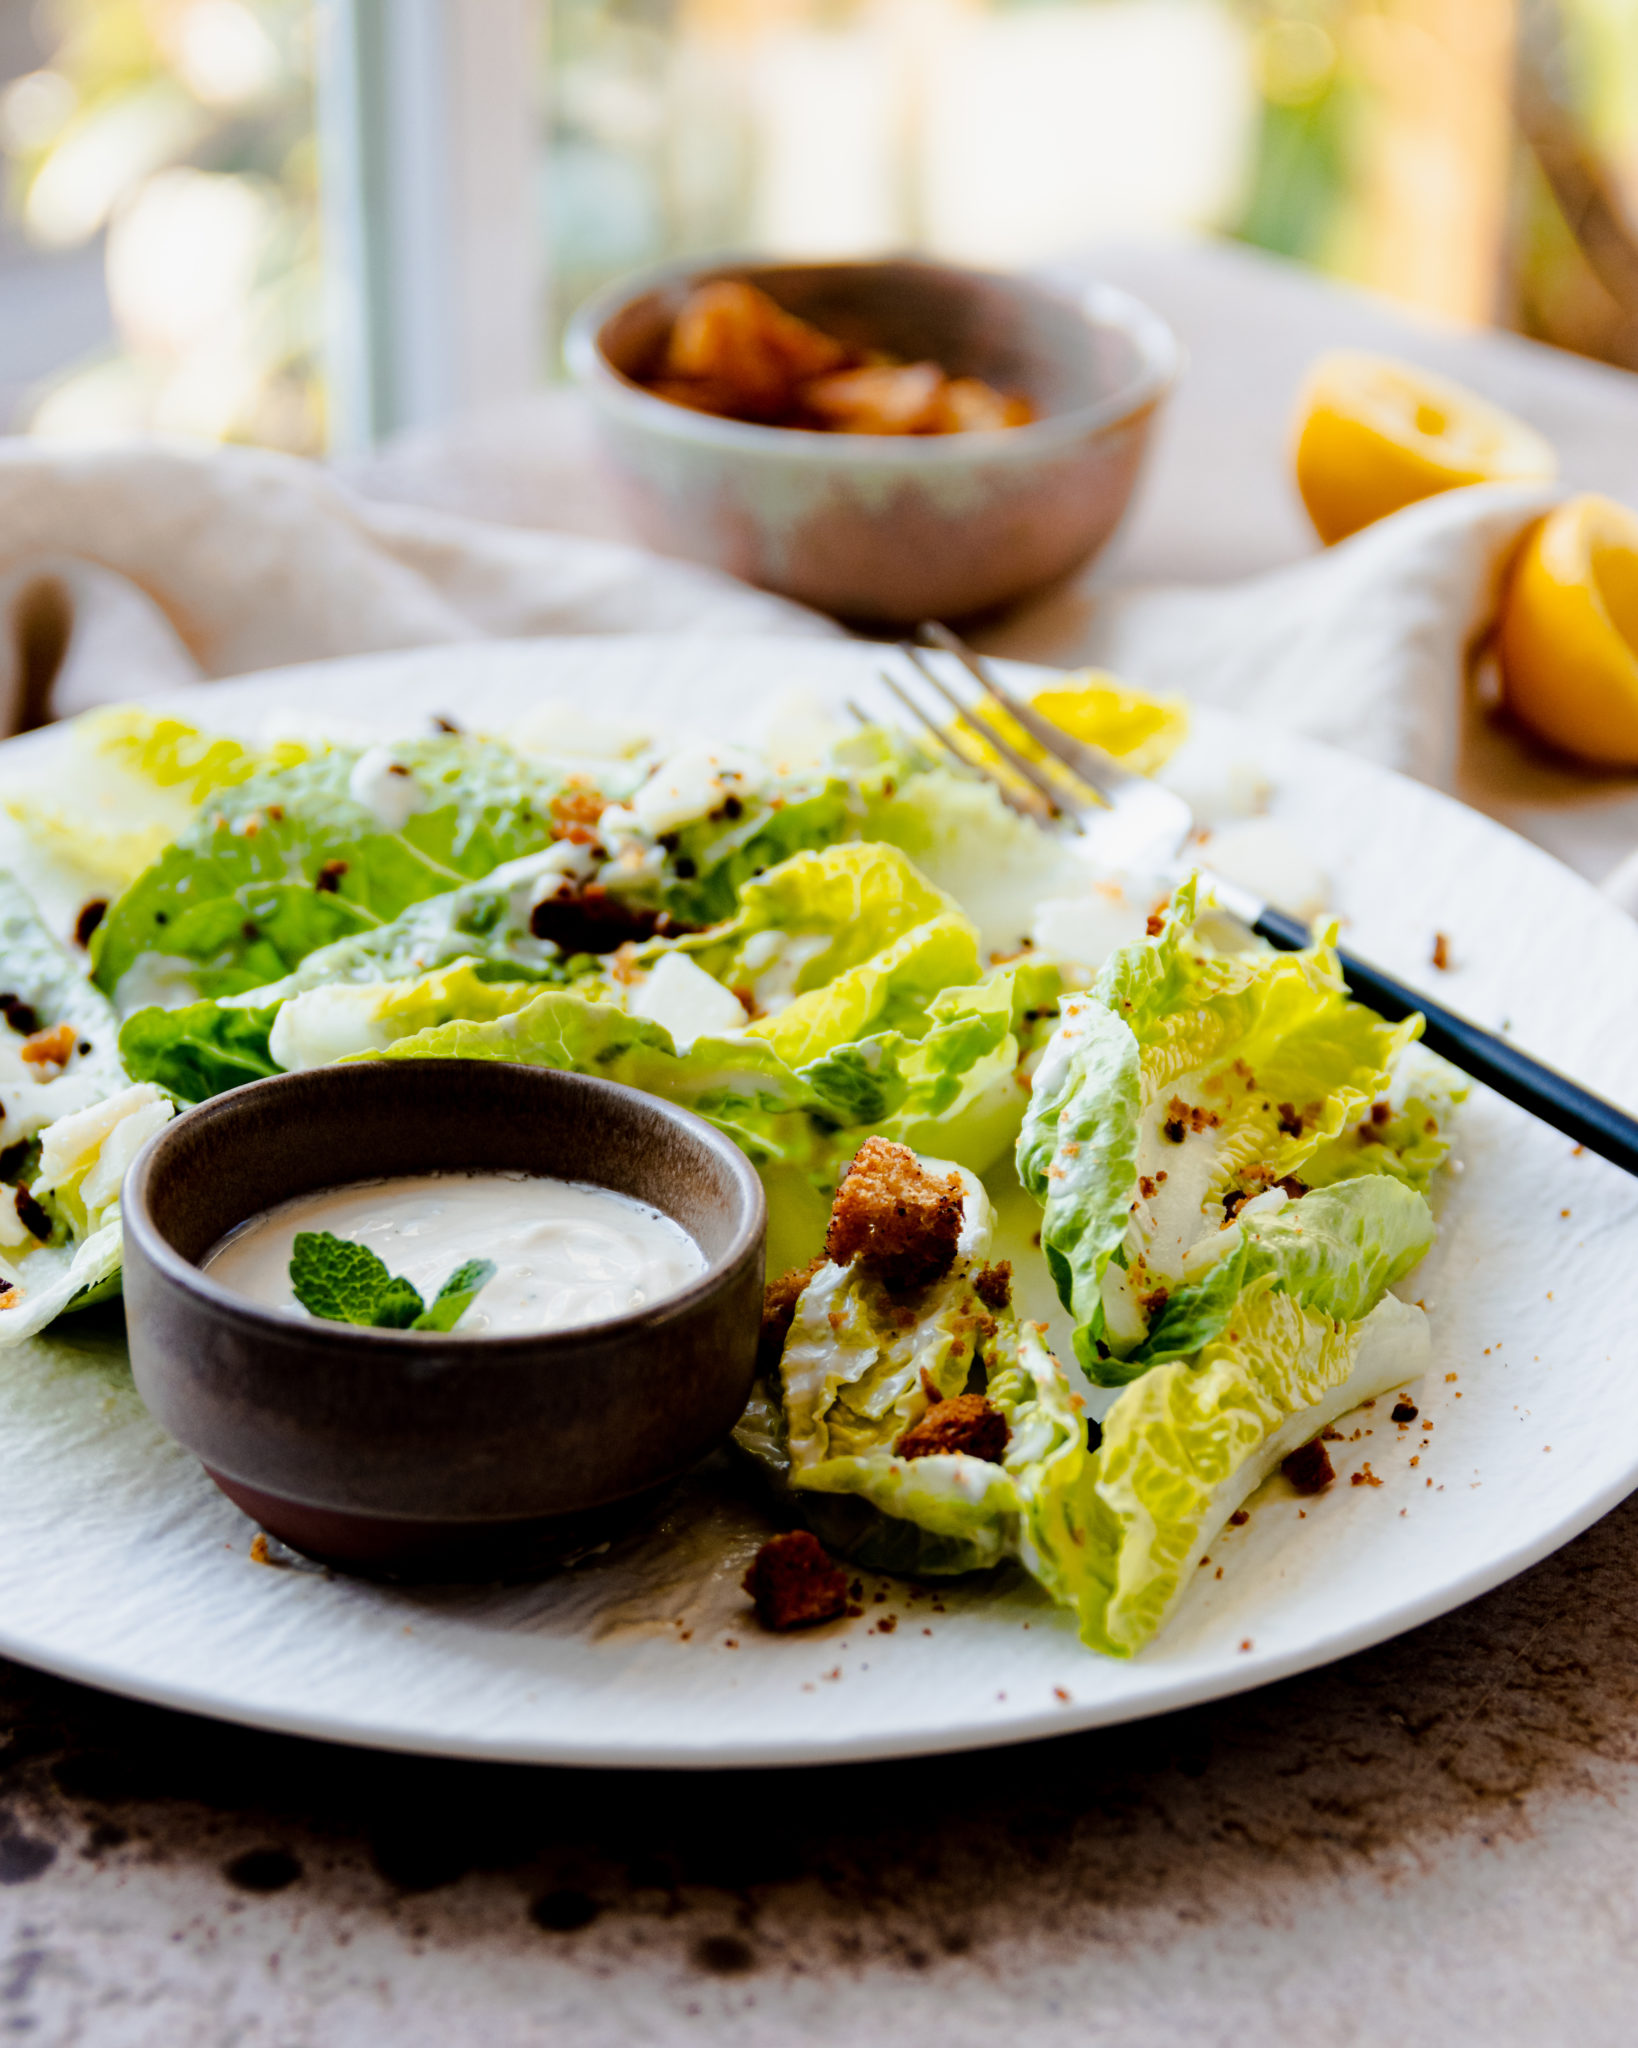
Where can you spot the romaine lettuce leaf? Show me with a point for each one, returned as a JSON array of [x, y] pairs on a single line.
[[1337, 1251], [975, 1514], [1408, 1131], [53, 1129], [1077, 1151], [76, 1183], [134, 779], [293, 859], [341, 1019], [40, 973], [813, 917], [738, 1084], [200, 1049], [712, 859], [1203, 1068], [486, 921], [1186, 1444], [890, 992], [854, 1370], [854, 1377], [960, 1080]]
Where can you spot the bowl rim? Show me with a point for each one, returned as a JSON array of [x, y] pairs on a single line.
[[522, 1347], [1162, 360]]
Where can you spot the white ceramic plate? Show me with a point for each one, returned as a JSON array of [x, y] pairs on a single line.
[[122, 1566]]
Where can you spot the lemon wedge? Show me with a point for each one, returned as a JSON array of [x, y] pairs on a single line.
[[1374, 436], [1569, 631]]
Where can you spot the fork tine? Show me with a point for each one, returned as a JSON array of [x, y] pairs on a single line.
[[1024, 808], [1019, 763], [1100, 772]]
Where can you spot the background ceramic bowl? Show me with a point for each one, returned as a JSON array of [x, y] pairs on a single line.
[[387, 1450], [889, 529]]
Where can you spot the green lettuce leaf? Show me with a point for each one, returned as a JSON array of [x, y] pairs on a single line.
[[1337, 1251], [338, 1020], [968, 1513], [892, 991], [854, 1376], [75, 1182], [486, 921], [290, 860], [55, 1130], [710, 860], [1408, 1131], [42, 973], [1203, 1068], [1077, 1151], [738, 1084], [1187, 1443], [813, 917], [203, 1048], [200, 1049]]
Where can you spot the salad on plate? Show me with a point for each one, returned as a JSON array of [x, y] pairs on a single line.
[[1086, 1207]]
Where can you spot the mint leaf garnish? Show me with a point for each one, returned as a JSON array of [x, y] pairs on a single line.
[[399, 1306], [343, 1282], [337, 1279], [456, 1295]]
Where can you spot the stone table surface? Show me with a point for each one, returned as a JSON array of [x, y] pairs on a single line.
[[1436, 1841]]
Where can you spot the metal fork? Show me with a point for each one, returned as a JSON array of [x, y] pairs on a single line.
[[1139, 826]]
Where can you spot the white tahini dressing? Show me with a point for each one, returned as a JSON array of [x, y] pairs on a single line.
[[566, 1253]]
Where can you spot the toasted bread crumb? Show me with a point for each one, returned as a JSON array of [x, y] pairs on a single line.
[[993, 1285]]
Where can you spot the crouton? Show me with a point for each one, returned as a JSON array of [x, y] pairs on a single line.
[[794, 1583], [779, 1312], [968, 1423], [897, 1219]]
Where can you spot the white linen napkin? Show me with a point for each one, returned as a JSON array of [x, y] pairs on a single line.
[[1363, 645], [134, 569], [1377, 645]]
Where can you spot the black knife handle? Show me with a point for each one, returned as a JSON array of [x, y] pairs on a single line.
[[1485, 1055]]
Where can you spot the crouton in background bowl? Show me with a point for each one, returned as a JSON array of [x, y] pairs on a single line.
[[898, 495]]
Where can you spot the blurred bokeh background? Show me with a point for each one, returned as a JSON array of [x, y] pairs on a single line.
[[169, 258]]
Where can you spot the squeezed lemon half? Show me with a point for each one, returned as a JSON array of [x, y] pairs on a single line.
[[1374, 436], [1569, 631]]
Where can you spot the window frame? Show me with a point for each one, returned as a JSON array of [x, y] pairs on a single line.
[[431, 153]]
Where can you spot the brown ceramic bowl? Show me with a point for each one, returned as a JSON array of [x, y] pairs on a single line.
[[415, 1453], [888, 529]]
